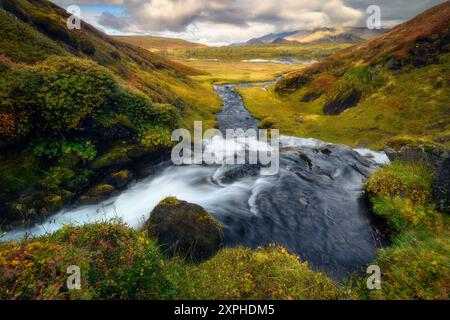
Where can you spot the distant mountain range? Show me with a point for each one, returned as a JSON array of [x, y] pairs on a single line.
[[343, 34]]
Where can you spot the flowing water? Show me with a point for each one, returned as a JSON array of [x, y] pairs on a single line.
[[314, 206]]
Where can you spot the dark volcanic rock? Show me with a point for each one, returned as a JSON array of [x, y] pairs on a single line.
[[342, 102], [232, 173], [418, 154], [185, 229], [441, 187]]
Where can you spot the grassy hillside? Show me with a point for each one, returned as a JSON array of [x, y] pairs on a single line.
[[77, 107], [393, 86], [153, 43], [260, 51], [415, 266], [237, 71]]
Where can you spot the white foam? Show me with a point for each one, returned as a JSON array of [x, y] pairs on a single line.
[[379, 157]]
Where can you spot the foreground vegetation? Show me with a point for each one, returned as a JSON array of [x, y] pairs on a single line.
[[117, 262], [415, 265]]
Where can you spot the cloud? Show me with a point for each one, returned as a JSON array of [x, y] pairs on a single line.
[[177, 15], [225, 21]]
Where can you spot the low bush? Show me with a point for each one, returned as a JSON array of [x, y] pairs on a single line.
[[264, 273], [84, 149]]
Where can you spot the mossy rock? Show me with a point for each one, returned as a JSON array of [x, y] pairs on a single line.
[[120, 178], [37, 204], [121, 155], [97, 194], [185, 229]]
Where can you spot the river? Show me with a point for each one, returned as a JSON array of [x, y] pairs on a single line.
[[314, 206]]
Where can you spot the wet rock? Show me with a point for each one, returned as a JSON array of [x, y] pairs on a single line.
[[441, 187], [97, 194], [185, 229], [418, 154], [32, 206], [119, 179], [305, 158], [232, 173]]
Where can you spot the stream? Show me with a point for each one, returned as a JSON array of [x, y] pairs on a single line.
[[314, 206]]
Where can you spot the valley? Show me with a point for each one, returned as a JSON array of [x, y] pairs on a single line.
[[85, 142]]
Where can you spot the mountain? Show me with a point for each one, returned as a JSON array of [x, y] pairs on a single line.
[[153, 43], [77, 106], [344, 34], [391, 86]]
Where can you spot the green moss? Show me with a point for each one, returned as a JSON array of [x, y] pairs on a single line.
[[415, 266], [117, 155], [269, 273], [184, 229], [397, 105], [156, 138], [17, 173], [169, 201], [22, 42]]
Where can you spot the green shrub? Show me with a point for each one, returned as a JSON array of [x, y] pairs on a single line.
[[156, 138], [55, 149], [415, 266], [270, 273], [116, 262], [403, 214], [86, 46], [166, 116], [408, 180], [72, 89], [18, 90], [54, 27]]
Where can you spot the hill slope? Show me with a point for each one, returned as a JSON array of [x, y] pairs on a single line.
[[153, 43], [77, 106], [396, 84]]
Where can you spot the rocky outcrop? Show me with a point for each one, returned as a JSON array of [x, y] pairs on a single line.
[[185, 229], [441, 187], [342, 102], [418, 154], [119, 179], [97, 194]]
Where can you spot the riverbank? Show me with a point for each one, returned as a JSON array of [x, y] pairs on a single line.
[[181, 281]]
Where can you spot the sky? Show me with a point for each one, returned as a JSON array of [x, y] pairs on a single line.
[[222, 22]]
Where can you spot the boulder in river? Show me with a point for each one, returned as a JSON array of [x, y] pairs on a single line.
[[185, 229]]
